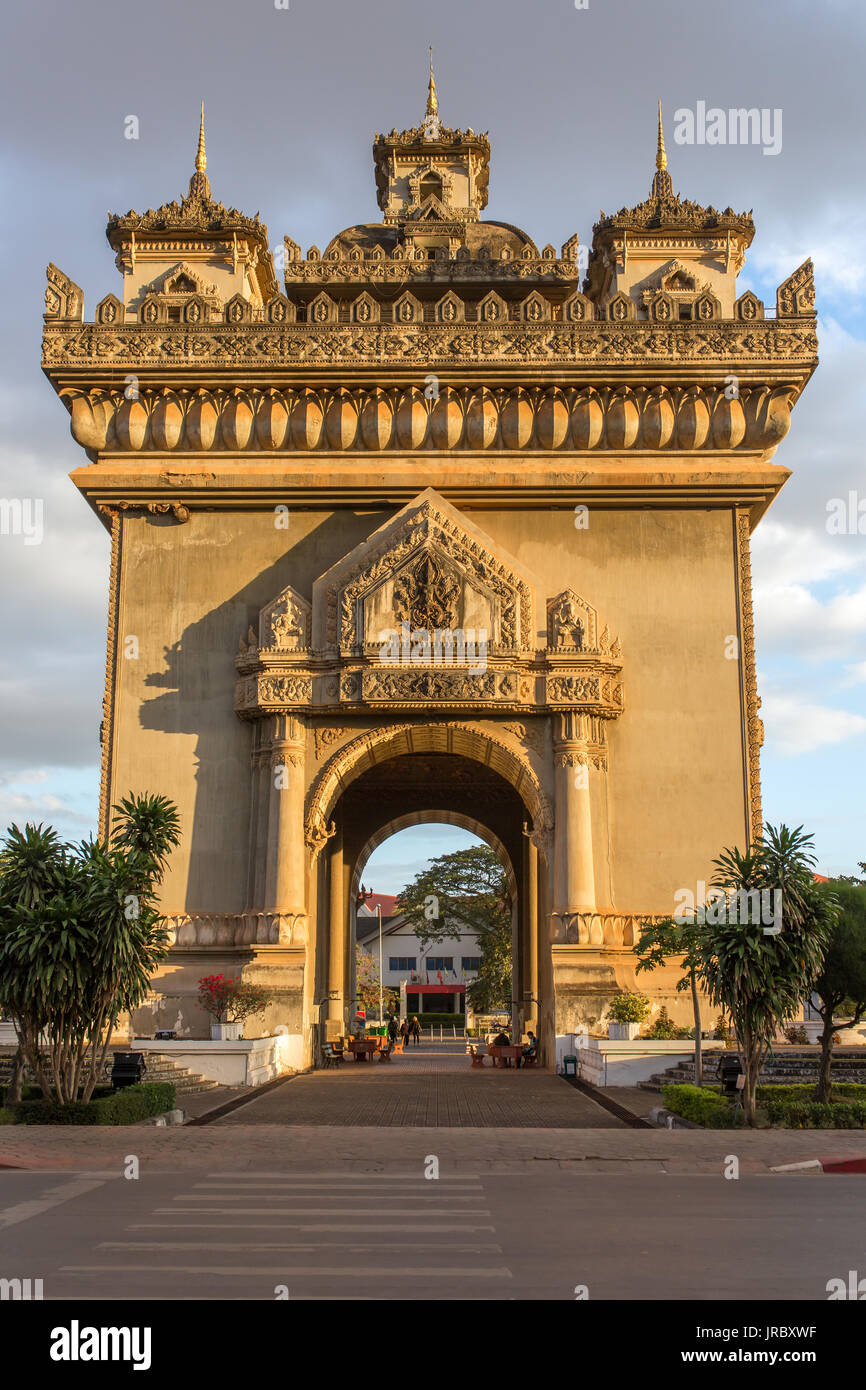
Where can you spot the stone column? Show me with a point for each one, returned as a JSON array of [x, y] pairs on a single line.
[[574, 874], [337, 927], [259, 809], [286, 855], [530, 932]]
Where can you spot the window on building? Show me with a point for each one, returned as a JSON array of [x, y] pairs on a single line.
[[471, 962], [402, 962], [439, 963]]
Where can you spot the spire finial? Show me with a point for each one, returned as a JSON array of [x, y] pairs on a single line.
[[201, 157], [199, 184], [432, 98], [662, 186], [661, 153]]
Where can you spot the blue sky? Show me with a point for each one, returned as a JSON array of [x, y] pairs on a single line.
[[293, 97]]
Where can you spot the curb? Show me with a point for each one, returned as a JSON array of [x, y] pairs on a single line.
[[613, 1107], [237, 1101]]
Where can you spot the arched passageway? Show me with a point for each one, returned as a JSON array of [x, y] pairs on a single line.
[[373, 797]]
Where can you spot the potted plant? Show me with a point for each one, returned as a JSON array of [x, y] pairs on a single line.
[[626, 1012], [230, 1003]]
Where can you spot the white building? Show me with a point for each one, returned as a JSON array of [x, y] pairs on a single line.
[[436, 976]]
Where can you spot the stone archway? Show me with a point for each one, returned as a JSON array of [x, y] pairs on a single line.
[[412, 774]]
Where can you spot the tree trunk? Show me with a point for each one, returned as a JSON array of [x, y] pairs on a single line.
[[824, 1084], [16, 1080], [699, 1065]]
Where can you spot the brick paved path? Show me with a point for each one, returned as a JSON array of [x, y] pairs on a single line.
[[432, 1090]]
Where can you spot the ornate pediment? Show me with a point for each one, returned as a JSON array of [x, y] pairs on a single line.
[[429, 568], [285, 624], [181, 280]]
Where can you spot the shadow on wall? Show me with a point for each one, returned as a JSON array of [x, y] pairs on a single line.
[[197, 697]]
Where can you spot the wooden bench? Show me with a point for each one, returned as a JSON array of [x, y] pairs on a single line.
[[384, 1053], [477, 1059], [331, 1053]]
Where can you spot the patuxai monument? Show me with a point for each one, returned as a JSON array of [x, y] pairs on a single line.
[[430, 524]]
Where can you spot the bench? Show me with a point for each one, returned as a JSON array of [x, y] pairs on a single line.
[[331, 1053], [476, 1058], [385, 1053]]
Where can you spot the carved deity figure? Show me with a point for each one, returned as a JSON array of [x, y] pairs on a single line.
[[288, 628], [567, 626]]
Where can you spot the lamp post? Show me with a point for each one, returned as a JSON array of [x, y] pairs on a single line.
[[381, 992]]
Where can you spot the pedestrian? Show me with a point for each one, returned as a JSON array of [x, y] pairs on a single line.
[[392, 1030], [405, 1032], [530, 1051], [416, 1031]]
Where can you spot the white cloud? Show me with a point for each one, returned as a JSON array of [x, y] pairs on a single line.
[[795, 725]]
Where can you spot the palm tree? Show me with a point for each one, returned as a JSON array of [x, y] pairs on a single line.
[[32, 869]]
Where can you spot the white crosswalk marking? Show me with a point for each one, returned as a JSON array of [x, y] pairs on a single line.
[[377, 1232]]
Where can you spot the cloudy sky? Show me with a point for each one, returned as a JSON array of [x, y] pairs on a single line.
[[293, 95]]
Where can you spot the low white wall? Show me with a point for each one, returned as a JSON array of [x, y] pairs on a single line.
[[605, 1063], [247, 1062], [602, 1062]]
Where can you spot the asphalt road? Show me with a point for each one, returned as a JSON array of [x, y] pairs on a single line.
[[315, 1235]]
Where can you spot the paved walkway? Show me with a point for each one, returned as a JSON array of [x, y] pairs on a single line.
[[432, 1092]]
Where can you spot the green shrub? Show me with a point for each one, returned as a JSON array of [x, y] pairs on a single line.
[[125, 1107], [796, 1033], [628, 1007], [706, 1108], [664, 1029], [6, 1117], [810, 1114], [851, 1090]]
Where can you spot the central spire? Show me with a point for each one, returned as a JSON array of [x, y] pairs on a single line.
[[432, 111], [662, 183], [661, 153], [199, 184]]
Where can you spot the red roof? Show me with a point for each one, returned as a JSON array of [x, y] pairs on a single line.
[[387, 901]]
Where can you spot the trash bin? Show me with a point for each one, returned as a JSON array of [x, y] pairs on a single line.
[[569, 1066], [129, 1068]]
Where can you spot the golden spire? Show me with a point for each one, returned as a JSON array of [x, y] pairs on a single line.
[[432, 98], [201, 157], [199, 184], [661, 154]]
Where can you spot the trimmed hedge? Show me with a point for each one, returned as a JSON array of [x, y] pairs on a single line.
[[125, 1107], [852, 1090], [811, 1114], [706, 1108]]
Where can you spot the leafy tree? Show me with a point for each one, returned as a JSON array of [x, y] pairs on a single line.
[[467, 888], [841, 980], [759, 978], [367, 983], [658, 942], [81, 952]]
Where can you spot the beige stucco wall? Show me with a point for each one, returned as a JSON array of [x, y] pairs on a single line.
[[663, 581]]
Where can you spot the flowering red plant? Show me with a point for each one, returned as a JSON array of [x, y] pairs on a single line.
[[231, 1001]]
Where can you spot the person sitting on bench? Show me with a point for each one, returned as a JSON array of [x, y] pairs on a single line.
[[530, 1052]]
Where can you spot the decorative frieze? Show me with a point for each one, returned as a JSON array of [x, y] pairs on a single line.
[[599, 929], [549, 419]]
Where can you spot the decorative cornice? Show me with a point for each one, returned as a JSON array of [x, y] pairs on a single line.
[[169, 351], [754, 725], [331, 420], [106, 730], [598, 929]]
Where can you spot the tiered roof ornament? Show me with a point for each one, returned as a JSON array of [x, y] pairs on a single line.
[[191, 234], [666, 225]]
